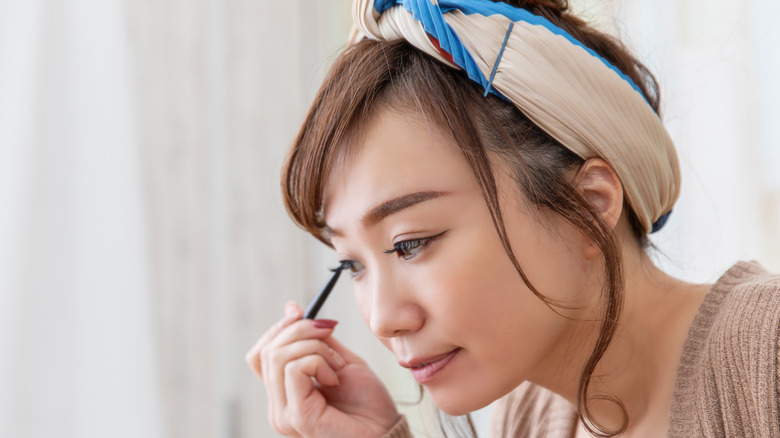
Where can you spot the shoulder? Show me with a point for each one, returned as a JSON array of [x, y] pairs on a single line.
[[738, 321], [748, 318], [751, 278], [745, 334], [729, 375]]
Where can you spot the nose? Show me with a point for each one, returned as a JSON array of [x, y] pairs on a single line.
[[393, 310]]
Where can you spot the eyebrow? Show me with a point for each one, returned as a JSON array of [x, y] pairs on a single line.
[[387, 208], [395, 205]]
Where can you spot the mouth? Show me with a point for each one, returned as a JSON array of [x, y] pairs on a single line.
[[426, 369]]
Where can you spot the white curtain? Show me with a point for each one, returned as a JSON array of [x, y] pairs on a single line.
[[76, 334], [143, 244], [718, 64]]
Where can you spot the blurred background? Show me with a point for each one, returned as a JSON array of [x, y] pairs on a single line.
[[143, 243]]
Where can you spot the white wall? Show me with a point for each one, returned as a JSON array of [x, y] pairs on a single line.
[[716, 61]]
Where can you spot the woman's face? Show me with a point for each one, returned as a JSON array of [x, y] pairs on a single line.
[[432, 279]]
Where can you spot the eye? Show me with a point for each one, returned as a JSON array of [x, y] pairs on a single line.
[[409, 249], [353, 266]]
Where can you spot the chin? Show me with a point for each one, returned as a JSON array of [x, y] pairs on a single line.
[[454, 405], [454, 412]]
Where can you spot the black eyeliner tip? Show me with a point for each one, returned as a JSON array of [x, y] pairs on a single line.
[[346, 264]]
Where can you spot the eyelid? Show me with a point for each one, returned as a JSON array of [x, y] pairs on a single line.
[[422, 243], [423, 237]]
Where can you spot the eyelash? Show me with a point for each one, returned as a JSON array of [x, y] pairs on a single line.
[[407, 246], [409, 249], [353, 266]]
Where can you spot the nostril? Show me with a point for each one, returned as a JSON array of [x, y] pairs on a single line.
[[384, 327]]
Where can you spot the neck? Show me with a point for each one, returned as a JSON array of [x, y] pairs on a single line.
[[639, 366]]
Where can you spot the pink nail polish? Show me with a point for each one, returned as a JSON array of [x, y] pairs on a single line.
[[324, 323]]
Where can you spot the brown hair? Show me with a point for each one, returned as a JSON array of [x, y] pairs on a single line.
[[371, 75]]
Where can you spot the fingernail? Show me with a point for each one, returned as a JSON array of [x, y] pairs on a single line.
[[324, 323], [340, 362], [290, 308]]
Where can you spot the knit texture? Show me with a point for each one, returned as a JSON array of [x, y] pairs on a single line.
[[728, 380], [532, 411], [399, 430]]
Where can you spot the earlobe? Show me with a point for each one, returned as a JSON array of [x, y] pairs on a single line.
[[601, 187]]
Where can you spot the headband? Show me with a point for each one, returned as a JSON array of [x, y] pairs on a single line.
[[564, 87]]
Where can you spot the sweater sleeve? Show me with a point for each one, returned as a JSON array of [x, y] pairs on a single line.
[[399, 430]]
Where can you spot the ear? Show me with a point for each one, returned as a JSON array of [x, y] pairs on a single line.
[[601, 187]]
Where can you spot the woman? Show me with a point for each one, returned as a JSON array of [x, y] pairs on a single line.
[[490, 173]]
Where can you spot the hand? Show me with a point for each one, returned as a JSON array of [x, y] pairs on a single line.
[[316, 386]]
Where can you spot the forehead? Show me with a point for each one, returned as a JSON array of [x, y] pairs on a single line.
[[398, 155]]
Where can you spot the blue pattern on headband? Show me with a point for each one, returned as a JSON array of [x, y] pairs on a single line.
[[657, 225], [498, 58], [430, 15]]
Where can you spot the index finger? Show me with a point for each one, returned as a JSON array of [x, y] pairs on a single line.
[[293, 313]]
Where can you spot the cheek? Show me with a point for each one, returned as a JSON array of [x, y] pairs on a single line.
[[481, 303], [363, 303], [477, 292], [552, 262]]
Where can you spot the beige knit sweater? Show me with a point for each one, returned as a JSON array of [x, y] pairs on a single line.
[[728, 381]]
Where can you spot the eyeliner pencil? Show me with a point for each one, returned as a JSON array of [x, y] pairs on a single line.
[[319, 300]]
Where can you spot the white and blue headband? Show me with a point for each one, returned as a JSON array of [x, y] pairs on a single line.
[[564, 87]]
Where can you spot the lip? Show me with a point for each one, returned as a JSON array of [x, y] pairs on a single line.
[[425, 369]]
